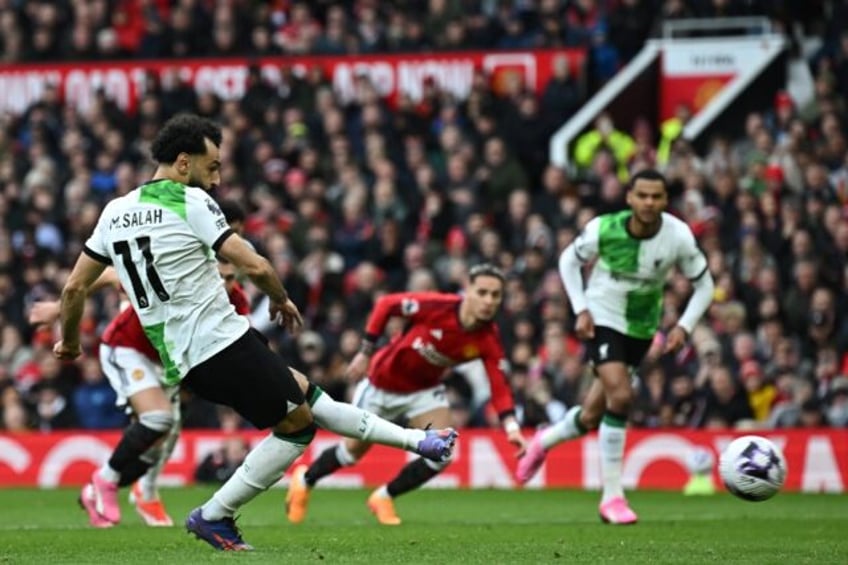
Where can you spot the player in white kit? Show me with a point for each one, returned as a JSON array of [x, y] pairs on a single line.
[[162, 239], [618, 314]]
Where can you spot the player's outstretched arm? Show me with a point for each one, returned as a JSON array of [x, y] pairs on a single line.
[[702, 296], [84, 274], [235, 250], [582, 250], [46, 312], [503, 401], [693, 264], [571, 273], [513, 434]]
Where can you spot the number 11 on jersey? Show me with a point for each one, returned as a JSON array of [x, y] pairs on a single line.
[[122, 248]]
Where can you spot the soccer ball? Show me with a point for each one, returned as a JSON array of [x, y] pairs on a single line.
[[752, 468]]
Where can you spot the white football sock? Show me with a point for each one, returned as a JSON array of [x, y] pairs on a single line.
[[567, 428], [109, 474], [611, 436], [350, 421], [262, 468]]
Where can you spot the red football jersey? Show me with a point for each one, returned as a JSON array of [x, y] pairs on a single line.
[[432, 342], [126, 330]]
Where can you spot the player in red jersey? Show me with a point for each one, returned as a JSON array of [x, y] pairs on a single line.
[[404, 380], [133, 368]]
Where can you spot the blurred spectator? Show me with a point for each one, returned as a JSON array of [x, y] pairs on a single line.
[[561, 98], [630, 24], [94, 400], [220, 465], [357, 195], [683, 403], [726, 403], [761, 394], [648, 407], [52, 409], [15, 416], [604, 136], [837, 408]]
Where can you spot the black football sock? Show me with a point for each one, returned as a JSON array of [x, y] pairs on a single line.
[[127, 457], [326, 464], [412, 476], [133, 471]]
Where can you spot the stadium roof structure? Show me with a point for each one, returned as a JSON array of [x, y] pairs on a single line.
[[709, 74]]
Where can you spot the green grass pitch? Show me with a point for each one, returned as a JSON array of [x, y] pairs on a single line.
[[444, 527]]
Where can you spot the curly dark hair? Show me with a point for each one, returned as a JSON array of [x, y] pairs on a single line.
[[184, 133]]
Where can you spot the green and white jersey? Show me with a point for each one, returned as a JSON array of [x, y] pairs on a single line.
[[625, 289], [161, 238]]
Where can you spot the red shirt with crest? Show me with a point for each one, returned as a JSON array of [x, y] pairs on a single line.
[[125, 330], [432, 342]]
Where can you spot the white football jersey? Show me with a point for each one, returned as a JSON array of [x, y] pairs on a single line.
[[161, 238], [625, 289]]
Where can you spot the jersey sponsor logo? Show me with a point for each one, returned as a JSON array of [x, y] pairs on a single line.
[[428, 352], [363, 422], [603, 351], [437, 333], [635, 278], [136, 219], [470, 351], [409, 306], [213, 207]]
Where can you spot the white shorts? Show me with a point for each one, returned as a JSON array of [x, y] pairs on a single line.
[[128, 371], [393, 405]]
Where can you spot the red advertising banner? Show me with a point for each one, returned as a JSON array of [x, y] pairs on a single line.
[[694, 72], [123, 82], [817, 459]]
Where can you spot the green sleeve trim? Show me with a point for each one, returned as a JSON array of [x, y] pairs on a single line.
[[313, 393]]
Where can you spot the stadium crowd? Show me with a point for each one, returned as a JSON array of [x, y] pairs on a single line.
[[350, 201]]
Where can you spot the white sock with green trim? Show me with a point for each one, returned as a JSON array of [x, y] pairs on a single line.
[[262, 468], [348, 420], [567, 428], [611, 436]]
